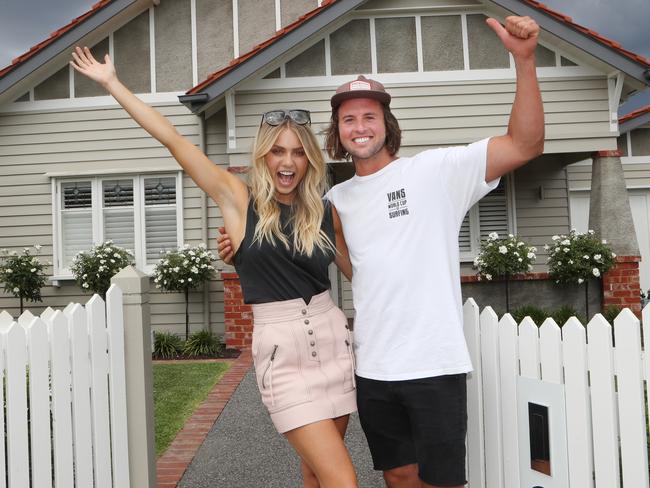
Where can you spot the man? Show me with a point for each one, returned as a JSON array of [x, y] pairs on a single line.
[[401, 218]]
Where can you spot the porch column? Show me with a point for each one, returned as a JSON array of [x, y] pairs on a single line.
[[611, 218]]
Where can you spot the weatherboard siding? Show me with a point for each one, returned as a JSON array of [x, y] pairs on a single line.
[[33, 144], [459, 113], [215, 140]]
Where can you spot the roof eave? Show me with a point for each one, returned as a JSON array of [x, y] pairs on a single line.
[[216, 90], [582, 41], [10, 84]]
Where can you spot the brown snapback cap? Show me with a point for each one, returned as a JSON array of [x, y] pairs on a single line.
[[362, 87]]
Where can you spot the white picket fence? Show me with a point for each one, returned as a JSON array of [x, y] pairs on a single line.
[[64, 415], [604, 404]]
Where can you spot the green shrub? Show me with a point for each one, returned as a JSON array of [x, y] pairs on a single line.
[[537, 314], [577, 257], [564, 313], [610, 312], [93, 269], [166, 345], [22, 275], [202, 343], [504, 256]]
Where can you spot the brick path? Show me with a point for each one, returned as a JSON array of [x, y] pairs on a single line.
[[173, 463]]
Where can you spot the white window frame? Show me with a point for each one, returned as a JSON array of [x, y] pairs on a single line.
[[61, 273], [475, 224]]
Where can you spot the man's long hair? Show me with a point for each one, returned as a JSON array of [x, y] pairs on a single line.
[[336, 150]]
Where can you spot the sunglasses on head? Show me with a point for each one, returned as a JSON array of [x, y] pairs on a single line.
[[276, 117]]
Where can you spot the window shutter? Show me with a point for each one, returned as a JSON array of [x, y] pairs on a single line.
[[118, 213], [493, 212], [76, 219], [160, 216], [464, 236]]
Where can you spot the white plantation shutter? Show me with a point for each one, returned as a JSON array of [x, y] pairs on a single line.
[[137, 212], [491, 216], [464, 236], [493, 212], [76, 219], [159, 216], [118, 213]]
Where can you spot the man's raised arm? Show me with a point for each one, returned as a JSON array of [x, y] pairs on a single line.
[[525, 137]]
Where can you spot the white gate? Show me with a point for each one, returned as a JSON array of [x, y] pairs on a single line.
[[65, 405], [604, 385]]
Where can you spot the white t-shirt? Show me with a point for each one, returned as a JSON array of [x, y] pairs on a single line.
[[401, 226]]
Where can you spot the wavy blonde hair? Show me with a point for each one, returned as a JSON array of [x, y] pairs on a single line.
[[308, 208]]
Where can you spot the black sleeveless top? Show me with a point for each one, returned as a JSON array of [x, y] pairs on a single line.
[[271, 273]]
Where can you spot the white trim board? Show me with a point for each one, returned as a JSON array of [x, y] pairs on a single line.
[[414, 78], [87, 102]]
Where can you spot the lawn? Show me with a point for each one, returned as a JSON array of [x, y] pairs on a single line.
[[178, 388]]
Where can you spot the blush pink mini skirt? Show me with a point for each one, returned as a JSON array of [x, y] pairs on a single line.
[[304, 362]]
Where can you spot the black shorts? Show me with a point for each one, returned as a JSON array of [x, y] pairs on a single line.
[[421, 421]]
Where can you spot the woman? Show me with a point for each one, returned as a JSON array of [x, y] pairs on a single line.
[[283, 237]]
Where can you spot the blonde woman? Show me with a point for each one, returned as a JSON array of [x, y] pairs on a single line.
[[284, 237]]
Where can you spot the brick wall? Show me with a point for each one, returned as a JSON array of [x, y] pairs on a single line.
[[238, 316], [621, 284]]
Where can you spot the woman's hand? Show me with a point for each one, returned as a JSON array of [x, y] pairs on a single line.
[[87, 65]]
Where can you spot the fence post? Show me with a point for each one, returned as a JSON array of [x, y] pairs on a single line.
[[139, 378]]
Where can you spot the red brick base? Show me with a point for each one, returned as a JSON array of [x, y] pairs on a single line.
[[238, 316], [621, 284]]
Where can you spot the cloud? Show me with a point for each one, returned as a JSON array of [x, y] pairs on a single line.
[[625, 22], [26, 23]]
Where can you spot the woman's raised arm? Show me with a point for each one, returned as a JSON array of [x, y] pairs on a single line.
[[227, 190]]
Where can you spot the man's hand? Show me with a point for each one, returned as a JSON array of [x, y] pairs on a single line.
[[224, 246], [519, 36]]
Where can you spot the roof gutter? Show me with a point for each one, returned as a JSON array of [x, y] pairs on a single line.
[[267, 55], [607, 54], [634, 123]]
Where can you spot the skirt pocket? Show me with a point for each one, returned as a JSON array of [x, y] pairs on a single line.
[[278, 373], [349, 382], [345, 348]]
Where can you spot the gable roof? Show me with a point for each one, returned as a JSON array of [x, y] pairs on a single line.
[[199, 97], [634, 119], [59, 43], [17, 61], [590, 33]]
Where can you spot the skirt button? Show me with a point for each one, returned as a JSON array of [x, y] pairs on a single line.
[[313, 353]]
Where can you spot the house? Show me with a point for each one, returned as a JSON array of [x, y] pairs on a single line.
[[634, 147], [76, 169]]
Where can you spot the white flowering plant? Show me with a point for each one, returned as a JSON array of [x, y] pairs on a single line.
[[576, 257], [503, 257], [22, 274], [93, 269], [184, 269]]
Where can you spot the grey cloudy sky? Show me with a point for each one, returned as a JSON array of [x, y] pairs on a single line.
[[24, 23]]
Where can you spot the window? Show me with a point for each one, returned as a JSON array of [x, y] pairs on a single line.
[[140, 213], [490, 214]]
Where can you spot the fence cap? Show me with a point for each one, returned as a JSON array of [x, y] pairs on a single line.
[[131, 280]]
